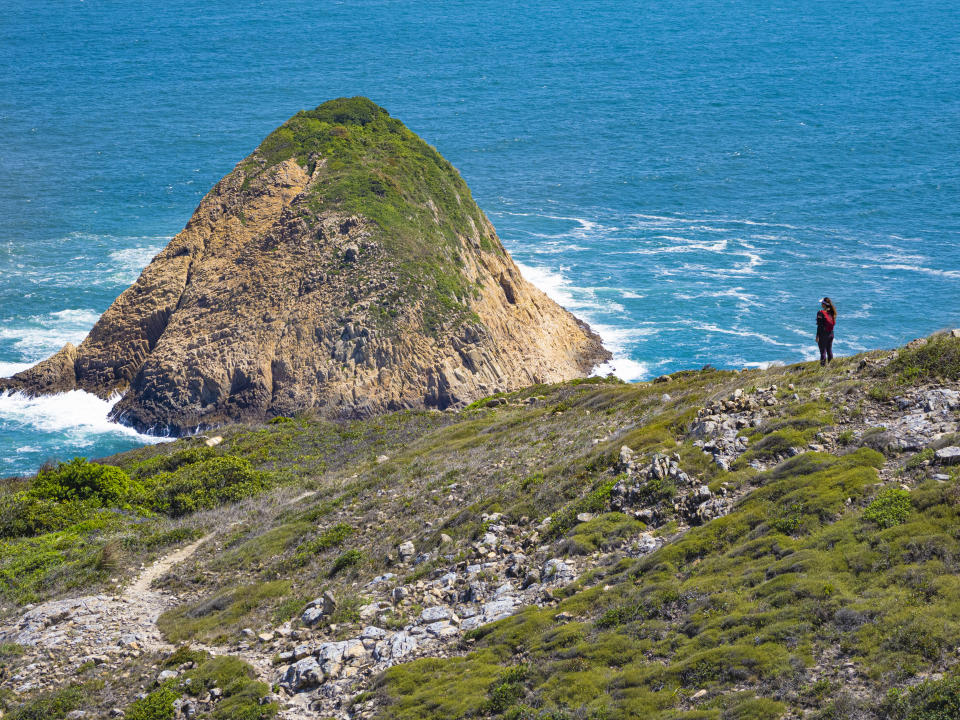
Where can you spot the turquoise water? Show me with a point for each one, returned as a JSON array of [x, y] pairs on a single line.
[[690, 177]]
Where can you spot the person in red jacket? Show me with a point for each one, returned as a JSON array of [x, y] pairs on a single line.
[[826, 319]]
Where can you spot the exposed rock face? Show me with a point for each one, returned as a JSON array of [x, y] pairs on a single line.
[[342, 267]]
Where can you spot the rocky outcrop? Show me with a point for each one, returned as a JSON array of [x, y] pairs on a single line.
[[343, 268]]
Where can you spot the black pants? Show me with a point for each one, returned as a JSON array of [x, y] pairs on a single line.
[[825, 343]]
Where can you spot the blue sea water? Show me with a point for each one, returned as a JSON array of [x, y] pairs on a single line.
[[689, 177]]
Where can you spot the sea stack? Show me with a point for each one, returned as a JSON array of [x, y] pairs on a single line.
[[343, 267]]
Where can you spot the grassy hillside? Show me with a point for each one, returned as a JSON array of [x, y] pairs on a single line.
[[826, 587]]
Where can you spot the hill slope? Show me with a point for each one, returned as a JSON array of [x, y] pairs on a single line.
[[762, 544], [344, 267]]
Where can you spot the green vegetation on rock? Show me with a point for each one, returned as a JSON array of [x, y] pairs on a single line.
[[241, 698], [373, 166]]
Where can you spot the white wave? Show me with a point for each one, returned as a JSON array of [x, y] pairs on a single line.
[[737, 293], [712, 221], [630, 295], [764, 365], [73, 317], [708, 327], [80, 417], [9, 369], [45, 334], [131, 261], [952, 274], [559, 289], [862, 313], [556, 248], [29, 449], [686, 246], [623, 368]]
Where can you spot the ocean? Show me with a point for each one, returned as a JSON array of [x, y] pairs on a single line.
[[688, 177]]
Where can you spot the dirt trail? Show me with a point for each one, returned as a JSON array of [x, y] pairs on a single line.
[[141, 586]]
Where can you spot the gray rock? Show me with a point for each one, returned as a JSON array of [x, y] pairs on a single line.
[[354, 650], [433, 614], [311, 616], [166, 675], [407, 551], [386, 577], [557, 571], [498, 609], [331, 651], [646, 544], [372, 632], [440, 628], [948, 455], [402, 644], [472, 622], [531, 578], [303, 674]]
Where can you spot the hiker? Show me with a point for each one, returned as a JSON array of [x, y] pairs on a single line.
[[826, 319]]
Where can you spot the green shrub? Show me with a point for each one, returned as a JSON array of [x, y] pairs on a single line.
[[25, 515], [930, 700], [203, 485], [754, 709], [920, 458], [347, 559], [890, 508], [52, 705], [938, 358], [158, 705], [505, 691], [10, 650], [594, 501], [81, 480], [168, 462], [332, 537], [242, 694], [217, 617], [604, 531]]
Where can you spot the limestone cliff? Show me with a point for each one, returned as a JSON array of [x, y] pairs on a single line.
[[342, 267]]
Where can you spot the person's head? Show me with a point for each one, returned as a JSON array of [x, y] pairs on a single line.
[[827, 305]]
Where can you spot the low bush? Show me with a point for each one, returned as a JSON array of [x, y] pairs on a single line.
[[930, 700], [346, 560], [243, 696], [938, 358], [157, 705], [24, 515], [890, 508], [332, 537], [203, 485], [81, 480], [52, 705], [604, 531]]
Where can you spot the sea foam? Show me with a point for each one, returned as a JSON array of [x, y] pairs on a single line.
[[79, 416], [44, 334]]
